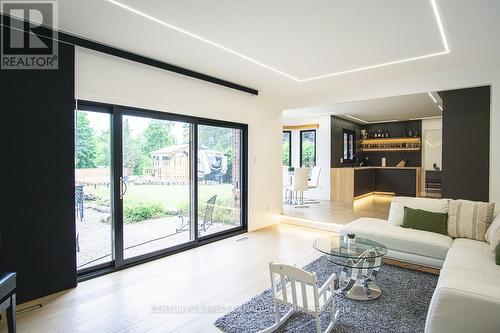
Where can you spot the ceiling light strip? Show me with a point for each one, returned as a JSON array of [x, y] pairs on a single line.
[[200, 38], [358, 119], [371, 122], [440, 25], [171, 26], [424, 118], [430, 94]]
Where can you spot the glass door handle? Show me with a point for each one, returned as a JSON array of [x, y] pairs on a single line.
[[123, 187]]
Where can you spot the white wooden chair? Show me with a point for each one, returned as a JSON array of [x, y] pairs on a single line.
[[299, 291]]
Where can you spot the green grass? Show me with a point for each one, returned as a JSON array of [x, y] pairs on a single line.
[[142, 201]]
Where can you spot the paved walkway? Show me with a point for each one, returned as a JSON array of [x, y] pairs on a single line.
[[139, 238]]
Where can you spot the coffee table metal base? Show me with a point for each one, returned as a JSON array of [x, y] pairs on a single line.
[[356, 279], [361, 292]]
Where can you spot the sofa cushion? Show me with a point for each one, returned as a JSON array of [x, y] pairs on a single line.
[[422, 243], [396, 213], [467, 296], [469, 219], [476, 256], [423, 220], [492, 235]]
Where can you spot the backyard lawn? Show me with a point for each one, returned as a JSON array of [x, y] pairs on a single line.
[[142, 202]]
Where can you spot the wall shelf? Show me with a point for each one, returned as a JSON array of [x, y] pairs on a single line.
[[391, 144]]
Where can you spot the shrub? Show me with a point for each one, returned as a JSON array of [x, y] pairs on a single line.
[[143, 211]]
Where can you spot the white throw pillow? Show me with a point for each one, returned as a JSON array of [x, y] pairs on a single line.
[[493, 233], [398, 204], [469, 219]]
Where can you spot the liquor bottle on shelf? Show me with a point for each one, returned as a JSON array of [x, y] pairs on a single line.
[[386, 133], [410, 133]]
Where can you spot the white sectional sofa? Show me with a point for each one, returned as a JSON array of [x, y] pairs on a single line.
[[467, 296]]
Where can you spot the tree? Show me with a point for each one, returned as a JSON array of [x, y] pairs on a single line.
[[102, 141], [157, 135], [285, 149], [308, 154], [86, 149], [132, 151], [217, 138]]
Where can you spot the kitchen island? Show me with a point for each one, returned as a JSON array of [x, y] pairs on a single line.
[[348, 184]]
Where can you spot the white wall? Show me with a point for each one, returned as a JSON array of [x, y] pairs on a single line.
[[425, 81], [322, 152], [109, 79]]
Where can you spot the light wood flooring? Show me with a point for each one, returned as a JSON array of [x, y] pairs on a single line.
[[208, 280], [376, 206]]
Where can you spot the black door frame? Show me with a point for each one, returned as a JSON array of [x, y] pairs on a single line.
[[117, 112]]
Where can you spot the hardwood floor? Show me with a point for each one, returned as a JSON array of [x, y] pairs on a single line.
[[208, 281], [341, 213]]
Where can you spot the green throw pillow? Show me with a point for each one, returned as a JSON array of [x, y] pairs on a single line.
[[424, 220], [497, 254]]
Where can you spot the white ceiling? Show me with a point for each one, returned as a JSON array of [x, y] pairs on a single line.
[[400, 108], [298, 37], [306, 41]]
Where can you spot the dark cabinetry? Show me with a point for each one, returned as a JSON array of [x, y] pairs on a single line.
[[384, 180], [363, 181], [397, 181], [405, 182]]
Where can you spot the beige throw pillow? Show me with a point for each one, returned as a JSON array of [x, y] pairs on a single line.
[[469, 219], [493, 234]]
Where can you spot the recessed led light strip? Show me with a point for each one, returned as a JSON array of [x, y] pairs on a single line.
[[435, 101], [358, 119], [371, 122], [205, 40], [423, 118]]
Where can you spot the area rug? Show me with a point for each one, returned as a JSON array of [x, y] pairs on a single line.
[[402, 307]]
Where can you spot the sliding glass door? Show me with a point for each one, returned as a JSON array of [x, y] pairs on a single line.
[[93, 190], [219, 179], [155, 185], [149, 183]]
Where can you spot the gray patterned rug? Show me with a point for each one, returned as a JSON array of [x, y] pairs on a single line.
[[402, 307]]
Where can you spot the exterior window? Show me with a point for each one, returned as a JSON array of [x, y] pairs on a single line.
[[349, 139], [287, 148], [308, 148]]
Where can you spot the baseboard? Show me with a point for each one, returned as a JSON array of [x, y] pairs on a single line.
[[333, 227]]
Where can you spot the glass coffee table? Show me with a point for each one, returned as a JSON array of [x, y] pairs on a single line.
[[359, 265]]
